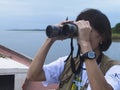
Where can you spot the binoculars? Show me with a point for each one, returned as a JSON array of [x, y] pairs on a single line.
[[68, 29]]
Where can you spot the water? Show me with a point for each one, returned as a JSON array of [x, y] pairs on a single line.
[[29, 42]]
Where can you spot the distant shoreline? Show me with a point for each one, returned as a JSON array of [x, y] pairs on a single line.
[[115, 37], [26, 30]]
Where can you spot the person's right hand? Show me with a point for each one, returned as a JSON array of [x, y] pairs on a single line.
[[84, 31]]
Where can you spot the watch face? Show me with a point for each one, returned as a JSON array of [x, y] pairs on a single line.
[[91, 55]]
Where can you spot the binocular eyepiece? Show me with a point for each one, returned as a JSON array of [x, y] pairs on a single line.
[[68, 29]]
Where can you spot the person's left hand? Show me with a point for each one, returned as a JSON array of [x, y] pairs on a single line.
[[84, 30]]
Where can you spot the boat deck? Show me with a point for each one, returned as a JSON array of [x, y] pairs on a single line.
[[20, 58]]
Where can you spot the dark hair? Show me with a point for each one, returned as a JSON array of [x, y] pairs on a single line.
[[100, 23]]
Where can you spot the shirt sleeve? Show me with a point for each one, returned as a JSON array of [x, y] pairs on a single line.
[[113, 77], [53, 71]]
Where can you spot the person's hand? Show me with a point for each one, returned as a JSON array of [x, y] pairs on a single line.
[[84, 30]]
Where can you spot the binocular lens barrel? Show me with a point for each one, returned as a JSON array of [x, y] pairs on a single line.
[[53, 31], [68, 29]]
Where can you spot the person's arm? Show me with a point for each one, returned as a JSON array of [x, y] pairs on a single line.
[[36, 68], [95, 75], [35, 72]]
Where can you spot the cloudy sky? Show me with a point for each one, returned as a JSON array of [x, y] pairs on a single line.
[[37, 14]]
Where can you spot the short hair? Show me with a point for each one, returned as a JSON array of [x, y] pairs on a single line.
[[100, 23]]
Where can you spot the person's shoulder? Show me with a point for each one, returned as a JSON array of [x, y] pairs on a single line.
[[109, 60], [107, 63], [114, 69], [60, 60], [63, 58]]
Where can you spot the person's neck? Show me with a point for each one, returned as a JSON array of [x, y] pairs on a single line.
[[98, 56]]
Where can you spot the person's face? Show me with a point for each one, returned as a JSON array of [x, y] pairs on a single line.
[[95, 40]]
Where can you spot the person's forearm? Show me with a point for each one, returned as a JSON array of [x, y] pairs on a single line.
[[35, 71], [95, 75]]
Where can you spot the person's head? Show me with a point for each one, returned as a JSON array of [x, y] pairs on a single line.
[[100, 23]]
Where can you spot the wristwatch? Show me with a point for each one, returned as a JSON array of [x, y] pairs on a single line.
[[89, 55]]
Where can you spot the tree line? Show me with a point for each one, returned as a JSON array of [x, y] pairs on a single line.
[[116, 28]]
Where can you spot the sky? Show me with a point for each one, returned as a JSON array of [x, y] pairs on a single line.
[[37, 14]]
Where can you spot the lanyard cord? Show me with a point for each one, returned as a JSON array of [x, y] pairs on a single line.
[[81, 60], [72, 49]]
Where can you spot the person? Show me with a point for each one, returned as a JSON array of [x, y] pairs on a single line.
[[94, 37]]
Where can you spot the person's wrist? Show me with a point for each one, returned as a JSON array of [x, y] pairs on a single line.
[[50, 40], [85, 47]]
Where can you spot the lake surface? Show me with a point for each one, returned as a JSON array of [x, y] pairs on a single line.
[[29, 42]]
